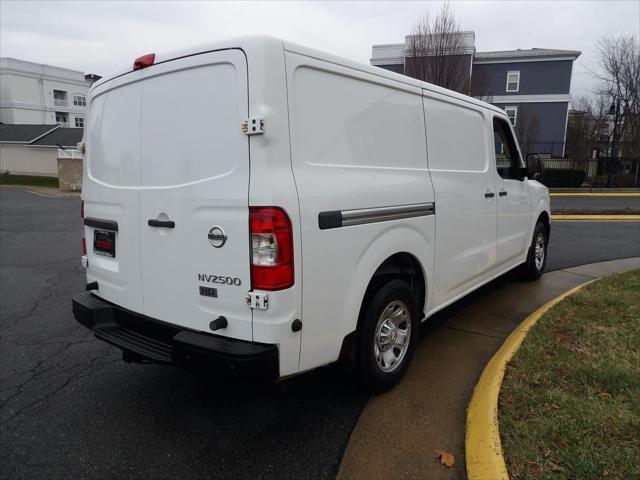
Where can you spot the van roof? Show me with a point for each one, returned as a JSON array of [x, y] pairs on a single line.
[[260, 43]]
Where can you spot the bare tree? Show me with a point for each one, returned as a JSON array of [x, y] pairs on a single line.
[[588, 127], [480, 86], [620, 77], [436, 52]]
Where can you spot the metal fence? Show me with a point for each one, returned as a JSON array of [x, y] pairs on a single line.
[[572, 150], [602, 172]]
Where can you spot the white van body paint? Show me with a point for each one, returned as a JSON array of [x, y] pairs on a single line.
[[165, 143]]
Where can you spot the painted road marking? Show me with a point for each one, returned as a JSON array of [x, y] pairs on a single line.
[[483, 449]]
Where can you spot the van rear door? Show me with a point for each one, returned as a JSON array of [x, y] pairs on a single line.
[[111, 191], [194, 225]]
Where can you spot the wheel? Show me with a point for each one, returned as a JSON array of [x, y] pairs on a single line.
[[537, 257], [387, 336]]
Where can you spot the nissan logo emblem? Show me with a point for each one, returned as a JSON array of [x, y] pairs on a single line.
[[217, 237]]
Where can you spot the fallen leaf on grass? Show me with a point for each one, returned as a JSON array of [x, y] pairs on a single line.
[[562, 440], [446, 458], [605, 395], [612, 474], [556, 468]]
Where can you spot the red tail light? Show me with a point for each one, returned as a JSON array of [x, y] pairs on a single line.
[[271, 248], [144, 61], [84, 242]]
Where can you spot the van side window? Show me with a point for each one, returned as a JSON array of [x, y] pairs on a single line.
[[507, 157]]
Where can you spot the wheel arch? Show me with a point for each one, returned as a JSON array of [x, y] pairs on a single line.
[[401, 265], [545, 219]]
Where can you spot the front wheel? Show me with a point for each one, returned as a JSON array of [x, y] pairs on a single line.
[[388, 336], [537, 258]]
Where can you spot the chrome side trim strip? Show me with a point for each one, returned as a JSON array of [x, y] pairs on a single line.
[[346, 218]]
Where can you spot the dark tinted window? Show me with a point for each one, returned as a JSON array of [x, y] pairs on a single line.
[[507, 158]]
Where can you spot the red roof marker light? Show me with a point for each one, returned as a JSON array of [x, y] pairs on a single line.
[[144, 61]]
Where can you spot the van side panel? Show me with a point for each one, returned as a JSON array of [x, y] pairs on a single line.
[[357, 142], [462, 172]]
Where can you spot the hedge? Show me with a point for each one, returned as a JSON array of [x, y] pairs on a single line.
[[564, 177]]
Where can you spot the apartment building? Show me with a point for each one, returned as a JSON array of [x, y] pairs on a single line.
[[35, 93], [531, 86]]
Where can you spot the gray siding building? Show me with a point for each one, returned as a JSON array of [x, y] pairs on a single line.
[[532, 86]]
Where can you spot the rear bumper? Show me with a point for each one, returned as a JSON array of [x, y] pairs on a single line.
[[144, 338]]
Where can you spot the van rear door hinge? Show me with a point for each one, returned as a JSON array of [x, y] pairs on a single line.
[[253, 126], [257, 300]]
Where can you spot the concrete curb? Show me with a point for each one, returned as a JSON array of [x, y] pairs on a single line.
[[483, 449], [596, 217]]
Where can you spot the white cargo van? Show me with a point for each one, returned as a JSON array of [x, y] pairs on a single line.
[[263, 207]]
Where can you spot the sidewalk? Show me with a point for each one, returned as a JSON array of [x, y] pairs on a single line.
[[399, 432], [44, 191]]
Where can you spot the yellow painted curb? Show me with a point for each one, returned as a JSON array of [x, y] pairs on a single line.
[[612, 194], [596, 217], [483, 454]]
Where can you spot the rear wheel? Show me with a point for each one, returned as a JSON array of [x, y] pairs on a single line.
[[388, 335], [537, 258]]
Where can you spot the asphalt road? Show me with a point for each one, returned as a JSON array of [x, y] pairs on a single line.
[[578, 242], [595, 204], [70, 408]]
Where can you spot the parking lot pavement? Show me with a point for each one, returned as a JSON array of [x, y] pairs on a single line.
[[69, 407]]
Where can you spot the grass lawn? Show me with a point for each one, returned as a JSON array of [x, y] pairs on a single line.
[[8, 179], [569, 406]]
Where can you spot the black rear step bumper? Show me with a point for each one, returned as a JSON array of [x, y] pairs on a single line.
[[144, 338]]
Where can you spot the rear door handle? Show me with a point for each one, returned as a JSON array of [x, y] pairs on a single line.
[[503, 193], [489, 195], [161, 223]]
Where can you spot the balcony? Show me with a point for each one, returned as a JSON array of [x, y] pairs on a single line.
[[60, 98]]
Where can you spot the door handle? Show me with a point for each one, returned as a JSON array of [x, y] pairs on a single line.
[[489, 195], [161, 223], [503, 193]]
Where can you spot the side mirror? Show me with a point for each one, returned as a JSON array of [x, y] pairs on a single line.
[[535, 166]]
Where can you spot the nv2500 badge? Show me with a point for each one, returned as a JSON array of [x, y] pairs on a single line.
[[221, 279]]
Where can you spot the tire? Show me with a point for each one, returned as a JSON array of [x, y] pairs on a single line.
[[390, 316], [533, 268]]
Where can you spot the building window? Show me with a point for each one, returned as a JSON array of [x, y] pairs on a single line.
[[60, 98], [79, 121], [513, 81], [62, 119], [512, 113], [80, 100]]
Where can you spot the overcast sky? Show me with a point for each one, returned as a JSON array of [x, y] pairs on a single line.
[[98, 37]]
